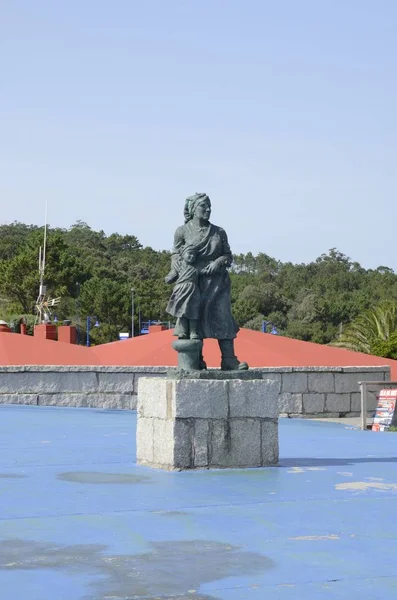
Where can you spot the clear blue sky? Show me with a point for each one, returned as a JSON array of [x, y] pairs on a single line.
[[284, 112]]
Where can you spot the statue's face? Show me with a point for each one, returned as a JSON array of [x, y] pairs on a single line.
[[189, 256], [203, 210]]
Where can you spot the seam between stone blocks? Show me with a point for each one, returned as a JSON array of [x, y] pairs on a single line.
[[228, 428]]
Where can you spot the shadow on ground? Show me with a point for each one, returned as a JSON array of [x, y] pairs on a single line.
[[168, 569]]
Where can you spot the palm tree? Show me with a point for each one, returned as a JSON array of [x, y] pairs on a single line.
[[372, 332]]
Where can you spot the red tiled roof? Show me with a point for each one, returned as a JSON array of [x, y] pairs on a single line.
[[258, 349], [16, 349], [154, 349]]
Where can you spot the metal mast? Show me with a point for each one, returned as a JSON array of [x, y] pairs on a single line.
[[43, 302]]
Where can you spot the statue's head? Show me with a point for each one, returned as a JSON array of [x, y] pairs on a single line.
[[198, 205]]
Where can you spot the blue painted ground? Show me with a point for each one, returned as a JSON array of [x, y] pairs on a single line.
[[79, 520]]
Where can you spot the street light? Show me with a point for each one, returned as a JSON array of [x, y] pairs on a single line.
[[132, 312], [88, 328]]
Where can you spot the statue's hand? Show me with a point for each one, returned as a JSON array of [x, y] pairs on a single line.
[[171, 277], [213, 267]]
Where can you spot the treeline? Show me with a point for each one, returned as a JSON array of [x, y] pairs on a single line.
[[93, 274]]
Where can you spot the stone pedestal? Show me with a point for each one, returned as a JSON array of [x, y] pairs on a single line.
[[208, 420]]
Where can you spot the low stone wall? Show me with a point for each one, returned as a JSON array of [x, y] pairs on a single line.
[[304, 391], [78, 386]]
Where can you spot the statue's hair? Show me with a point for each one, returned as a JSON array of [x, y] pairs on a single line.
[[191, 203]]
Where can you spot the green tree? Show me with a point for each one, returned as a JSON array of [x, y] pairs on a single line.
[[372, 332]]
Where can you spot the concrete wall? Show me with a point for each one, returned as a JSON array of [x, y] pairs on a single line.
[[304, 391]]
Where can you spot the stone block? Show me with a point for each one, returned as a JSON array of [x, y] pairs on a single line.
[[219, 442], [200, 442], [269, 441], [313, 403], [348, 382], [134, 402], [245, 447], [320, 382], [355, 402], [200, 399], [143, 375], [48, 382], [290, 403], [294, 382], [144, 440], [109, 401], [163, 442], [18, 399], [120, 383], [72, 400], [337, 403], [105, 401], [236, 443], [257, 398], [152, 397], [183, 443]]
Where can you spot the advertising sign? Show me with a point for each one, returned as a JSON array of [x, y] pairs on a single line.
[[387, 400]]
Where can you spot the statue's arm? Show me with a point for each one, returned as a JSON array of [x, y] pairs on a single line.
[[227, 256], [179, 241], [224, 260]]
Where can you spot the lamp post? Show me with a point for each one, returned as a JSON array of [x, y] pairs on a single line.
[[88, 328], [132, 311]]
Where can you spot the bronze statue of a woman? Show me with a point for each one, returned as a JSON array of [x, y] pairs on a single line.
[[212, 257]]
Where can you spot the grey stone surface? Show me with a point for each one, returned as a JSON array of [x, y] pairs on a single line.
[[235, 443], [163, 442], [337, 403], [200, 442], [68, 385], [138, 376], [367, 369], [269, 441], [200, 399], [355, 402], [313, 403], [105, 401], [219, 375], [144, 440], [321, 382], [19, 399], [134, 401], [219, 442], [290, 403], [348, 382], [120, 383], [258, 398], [50, 382], [294, 382], [245, 446], [152, 395], [183, 443]]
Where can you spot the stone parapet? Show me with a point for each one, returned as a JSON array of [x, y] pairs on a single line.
[[304, 391]]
